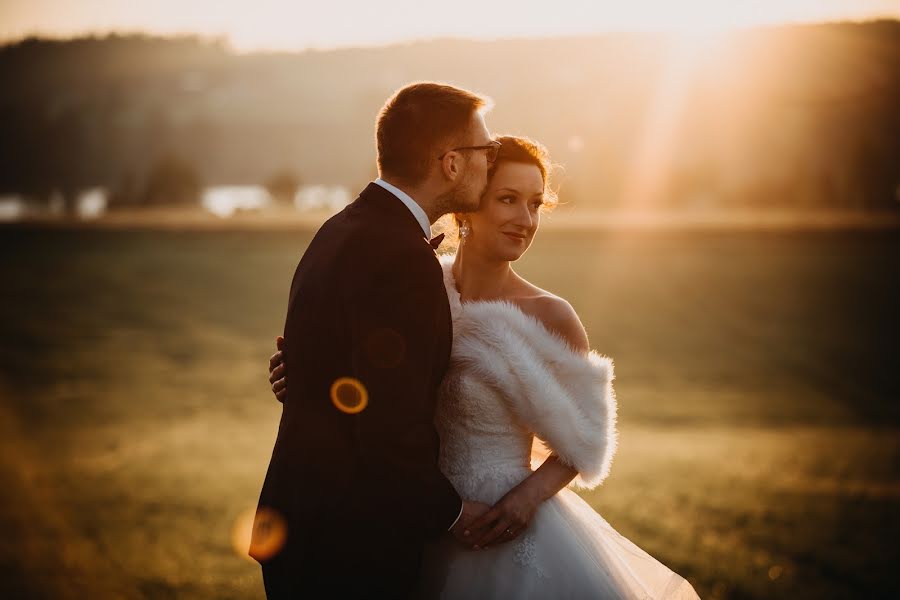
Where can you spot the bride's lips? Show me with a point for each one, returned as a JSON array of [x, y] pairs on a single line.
[[514, 236]]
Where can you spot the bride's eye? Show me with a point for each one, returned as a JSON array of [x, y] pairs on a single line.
[[537, 204], [507, 199]]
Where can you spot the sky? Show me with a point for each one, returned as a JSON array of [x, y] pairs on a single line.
[[253, 25]]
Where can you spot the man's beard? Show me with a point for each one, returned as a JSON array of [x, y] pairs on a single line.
[[465, 197]]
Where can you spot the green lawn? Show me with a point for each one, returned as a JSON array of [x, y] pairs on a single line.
[[756, 376]]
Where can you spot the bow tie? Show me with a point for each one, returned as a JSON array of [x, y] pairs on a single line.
[[436, 240]]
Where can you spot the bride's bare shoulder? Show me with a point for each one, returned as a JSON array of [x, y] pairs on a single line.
[[555, 313]]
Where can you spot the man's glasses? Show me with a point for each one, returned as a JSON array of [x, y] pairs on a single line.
[[492, 150]]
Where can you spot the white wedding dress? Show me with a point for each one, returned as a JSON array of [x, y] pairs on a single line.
[[511, 379]]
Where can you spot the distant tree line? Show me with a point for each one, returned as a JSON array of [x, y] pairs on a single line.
[[800, 117]]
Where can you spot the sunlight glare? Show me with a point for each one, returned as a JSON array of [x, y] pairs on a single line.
[[688, 52], [280, 25]]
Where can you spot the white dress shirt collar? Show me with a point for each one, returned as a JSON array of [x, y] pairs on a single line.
[[411, 204]]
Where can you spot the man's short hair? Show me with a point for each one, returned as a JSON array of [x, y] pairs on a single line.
[[417, 122]]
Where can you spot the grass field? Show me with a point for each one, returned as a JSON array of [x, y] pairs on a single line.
[[757, 377]]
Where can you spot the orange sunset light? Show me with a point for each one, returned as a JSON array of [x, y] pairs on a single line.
[[279, 25]]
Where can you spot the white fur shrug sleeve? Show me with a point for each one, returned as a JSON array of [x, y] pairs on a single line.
[[564, 397]]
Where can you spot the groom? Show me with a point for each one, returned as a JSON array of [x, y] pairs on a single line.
[[353, 488]]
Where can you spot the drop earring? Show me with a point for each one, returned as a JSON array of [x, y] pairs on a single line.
[[464, 229]]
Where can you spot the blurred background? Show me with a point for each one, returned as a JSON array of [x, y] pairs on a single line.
[[729, 232]]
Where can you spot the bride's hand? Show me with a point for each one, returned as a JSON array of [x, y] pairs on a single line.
[[506, 519], [277, 376]]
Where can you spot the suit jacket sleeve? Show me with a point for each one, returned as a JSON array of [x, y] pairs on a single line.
[[393, 317]]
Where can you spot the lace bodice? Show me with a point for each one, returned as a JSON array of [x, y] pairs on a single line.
[[481, 440]]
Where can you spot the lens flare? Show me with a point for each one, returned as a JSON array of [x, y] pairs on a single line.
[[349, 395], [259, 533]]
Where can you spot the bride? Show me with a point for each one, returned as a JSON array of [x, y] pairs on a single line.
[[522, 376]]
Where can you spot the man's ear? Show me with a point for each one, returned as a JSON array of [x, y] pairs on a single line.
[[451, 165]]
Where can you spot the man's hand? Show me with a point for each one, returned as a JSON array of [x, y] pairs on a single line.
[[504, 521], [470, 512], [277, 376]]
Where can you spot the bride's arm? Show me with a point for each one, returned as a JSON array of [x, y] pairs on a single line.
[[551, 477], [512, 513]]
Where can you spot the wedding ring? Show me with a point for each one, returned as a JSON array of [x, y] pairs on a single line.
[[508, 532]]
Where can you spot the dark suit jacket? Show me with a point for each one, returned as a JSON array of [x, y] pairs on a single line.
[[362, 492]]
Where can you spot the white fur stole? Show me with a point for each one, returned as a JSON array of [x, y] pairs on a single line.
[[564, 397]]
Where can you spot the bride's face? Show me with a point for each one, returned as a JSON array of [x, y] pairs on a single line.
[[509, 213]]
